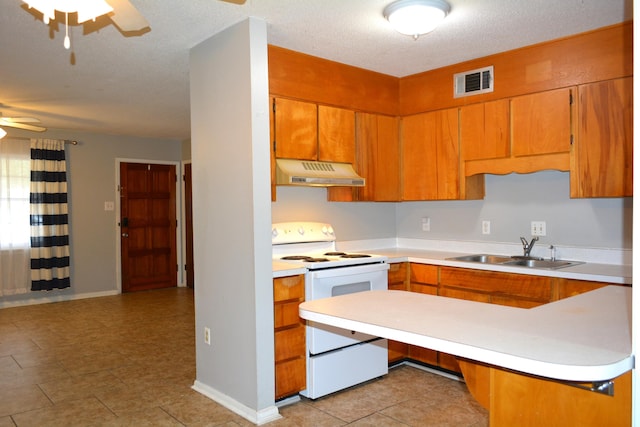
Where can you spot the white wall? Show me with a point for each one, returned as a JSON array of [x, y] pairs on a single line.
[[352, 221], [511, 203], [232, 220]]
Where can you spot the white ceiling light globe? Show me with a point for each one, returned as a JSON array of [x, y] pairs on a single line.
[[416, 17]]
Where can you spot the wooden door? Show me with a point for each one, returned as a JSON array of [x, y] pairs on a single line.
[[148, 226], [188, 221]]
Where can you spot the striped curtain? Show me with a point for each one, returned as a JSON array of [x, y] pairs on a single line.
[[49, 216]]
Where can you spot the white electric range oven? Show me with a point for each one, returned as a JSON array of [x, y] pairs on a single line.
[[336, 358]]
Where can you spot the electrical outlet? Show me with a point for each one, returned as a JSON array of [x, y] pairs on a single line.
[[486, 227], [426, 224], [538, 228], [207, 336]]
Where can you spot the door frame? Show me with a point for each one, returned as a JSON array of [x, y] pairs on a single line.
[[183, 223], [179, 247]]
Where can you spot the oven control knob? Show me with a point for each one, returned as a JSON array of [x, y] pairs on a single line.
[[325, 230], [330, 230], [274, 233], [301, 231]]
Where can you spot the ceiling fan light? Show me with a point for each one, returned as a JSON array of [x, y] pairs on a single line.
[[86, 9], [43, 6], [92, 9], [416, 17], [3, 133]]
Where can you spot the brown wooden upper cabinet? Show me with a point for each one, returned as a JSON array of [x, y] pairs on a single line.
[[307, 131], [484, 130], [603, 152], [377, 157], [541, 123], [430, 156], [523, 134]]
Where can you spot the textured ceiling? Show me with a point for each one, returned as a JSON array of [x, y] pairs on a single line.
[[112, 84]]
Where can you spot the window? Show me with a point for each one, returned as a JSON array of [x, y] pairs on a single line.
[[14, 194], [15, 231]]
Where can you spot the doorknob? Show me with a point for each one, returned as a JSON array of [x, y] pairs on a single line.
[[125, 234]]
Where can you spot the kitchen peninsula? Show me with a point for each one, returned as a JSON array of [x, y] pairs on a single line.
[[585, 338]]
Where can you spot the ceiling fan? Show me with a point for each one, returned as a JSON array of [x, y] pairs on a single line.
[[26, 123], [122, 13]]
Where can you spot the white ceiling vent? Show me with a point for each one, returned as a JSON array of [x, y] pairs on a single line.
[[473, 82]]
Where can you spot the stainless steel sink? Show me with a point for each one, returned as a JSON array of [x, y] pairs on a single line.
[[483, 258], [542, 263], [516, 261]]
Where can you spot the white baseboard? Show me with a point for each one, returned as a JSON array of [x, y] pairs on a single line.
[[257, 417], [56, 298]]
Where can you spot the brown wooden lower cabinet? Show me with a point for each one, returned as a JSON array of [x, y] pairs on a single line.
[[397, 281], [289, 336], [516, 399]]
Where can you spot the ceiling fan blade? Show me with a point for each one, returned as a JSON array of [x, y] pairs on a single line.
[[235, 1], [33, 128], [126, 17], [20, 120]]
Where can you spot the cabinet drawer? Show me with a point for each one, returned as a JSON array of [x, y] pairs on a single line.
[[497, 283], [290, 343], [286, 314], [422, 273], [466, 295], [423, 289], [397, 272], [286, 288], [290, 377]]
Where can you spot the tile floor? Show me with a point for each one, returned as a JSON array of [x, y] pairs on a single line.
[[129, 360]]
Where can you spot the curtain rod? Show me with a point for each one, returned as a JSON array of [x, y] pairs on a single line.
[[66, 141]]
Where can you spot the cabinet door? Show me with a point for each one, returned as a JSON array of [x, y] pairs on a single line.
[[397, 281], [423, 279], [603, 153], [337, 135], [387, 160], [518, 290], [295, 129], [541, 123], [484, 130], [289, 336], [378, 157], [430, 156]]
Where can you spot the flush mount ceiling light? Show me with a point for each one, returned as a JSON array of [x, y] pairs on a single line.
[[86, 10], [416, 17]]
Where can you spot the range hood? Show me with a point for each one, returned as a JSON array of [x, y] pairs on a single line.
[[319, 174]]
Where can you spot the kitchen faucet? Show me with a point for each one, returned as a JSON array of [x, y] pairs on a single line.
[[528, 246]]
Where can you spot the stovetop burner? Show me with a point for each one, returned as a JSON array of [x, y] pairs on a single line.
[[355, 256], [305, 258], [346, 255]]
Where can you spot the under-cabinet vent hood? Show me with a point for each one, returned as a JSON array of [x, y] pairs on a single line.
[[319, 174]]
